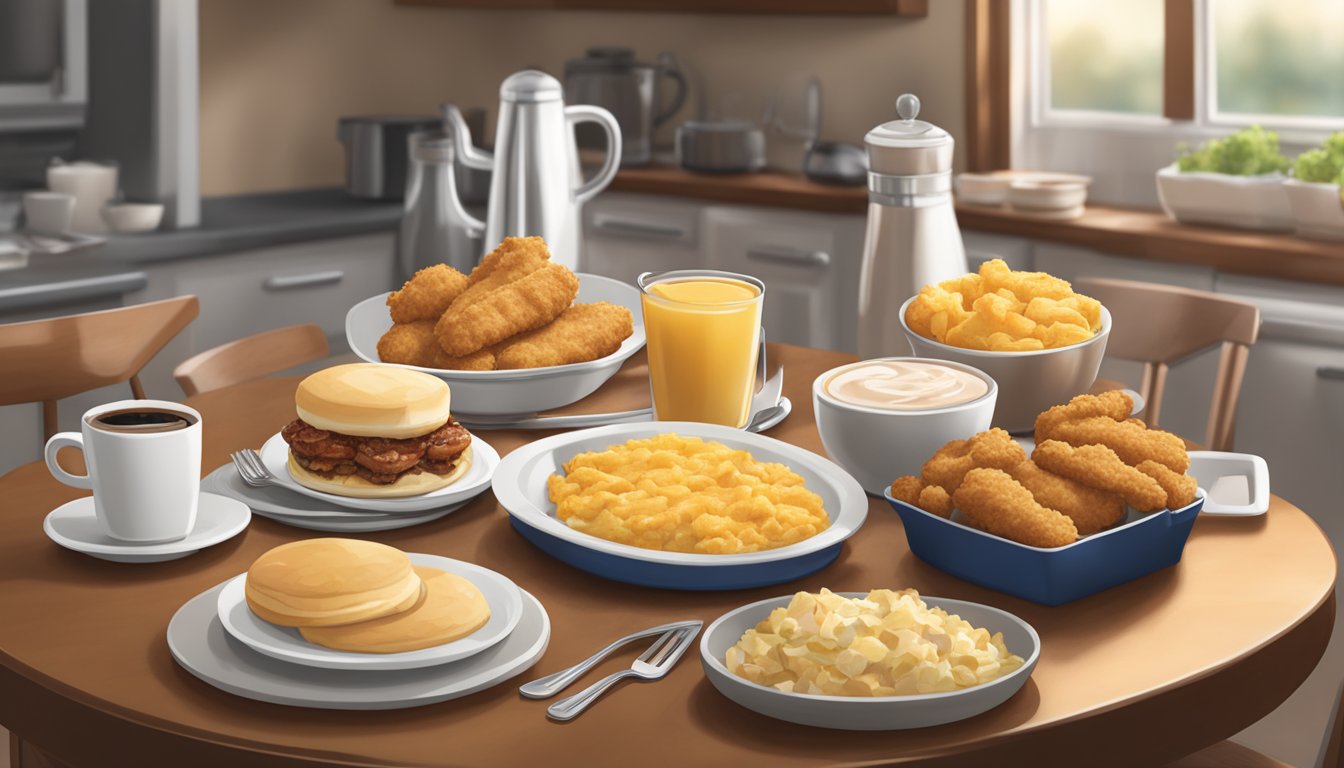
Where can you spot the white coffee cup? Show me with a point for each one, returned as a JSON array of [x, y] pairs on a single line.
[[48, 213], [146, 480]]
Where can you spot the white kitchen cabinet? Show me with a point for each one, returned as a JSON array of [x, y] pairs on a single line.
[[626, 235]]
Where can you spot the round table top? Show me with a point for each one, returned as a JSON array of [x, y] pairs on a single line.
[[1138, 674]]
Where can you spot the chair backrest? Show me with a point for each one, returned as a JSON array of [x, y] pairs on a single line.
[[46, 360], [1159, 325], [252, 358]]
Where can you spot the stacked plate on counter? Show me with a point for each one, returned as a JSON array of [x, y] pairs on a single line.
[[218, 637]]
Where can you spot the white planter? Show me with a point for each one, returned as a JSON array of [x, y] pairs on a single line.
[[1245, 202], [1318, 209]]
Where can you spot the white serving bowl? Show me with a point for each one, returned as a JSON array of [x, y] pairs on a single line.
[[983, 188], [878, 713], [133, 217], [877, 445], [1029, 382], [1318, 209], [1048, 193], [517, 392], [1245, 202]]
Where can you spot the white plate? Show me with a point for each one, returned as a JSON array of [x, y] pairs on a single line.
[[879, 713], [521, 488], [227, 482], [369, 525], [484, 460], [1236, 484], [74, 526], [199, 643], [506, 393], [285, 643]]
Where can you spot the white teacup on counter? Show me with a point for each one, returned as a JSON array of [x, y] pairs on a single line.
[[48, 213], [883, 418], [144, 464]]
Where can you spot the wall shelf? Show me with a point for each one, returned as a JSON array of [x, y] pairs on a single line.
[[906, 8]]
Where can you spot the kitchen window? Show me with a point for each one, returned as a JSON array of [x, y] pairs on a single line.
[[1114, 89]]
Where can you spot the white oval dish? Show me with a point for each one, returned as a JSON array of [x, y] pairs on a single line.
[[879, 713], [284, 643], [507, 393], [484, 460], [520, 487]]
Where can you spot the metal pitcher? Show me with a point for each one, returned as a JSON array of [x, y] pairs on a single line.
[[536, 186]]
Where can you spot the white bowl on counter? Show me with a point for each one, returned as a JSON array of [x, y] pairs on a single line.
[[133, 217], [1318, 209], [1244, 202], [983, 188], [877, 445], [1028, 382], [1058, 195]]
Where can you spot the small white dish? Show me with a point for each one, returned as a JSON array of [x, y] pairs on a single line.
[[879, 713], [73, 526], [1047, 194], [1317, 208], [1243, 202], [509, 393], [199, 643], [132, 217], [983, 188], [1236, 484], [285, 643], [484, 460]]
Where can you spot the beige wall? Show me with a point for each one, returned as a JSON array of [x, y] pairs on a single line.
[[276, 74]]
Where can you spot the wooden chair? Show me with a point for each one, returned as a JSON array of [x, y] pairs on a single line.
[[1159, 325], [46, 360], [252, 358]]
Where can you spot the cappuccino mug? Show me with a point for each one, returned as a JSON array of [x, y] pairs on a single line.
[[144, 463]]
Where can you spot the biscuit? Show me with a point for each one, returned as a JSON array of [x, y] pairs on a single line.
[[331, 581], [452, 609]]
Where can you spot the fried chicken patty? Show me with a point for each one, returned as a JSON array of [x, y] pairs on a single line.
[[379, 460]]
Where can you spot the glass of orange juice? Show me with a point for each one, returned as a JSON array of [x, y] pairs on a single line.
[[704, 329]]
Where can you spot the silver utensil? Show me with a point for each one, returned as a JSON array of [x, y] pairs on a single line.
[[545, 687], [251, 469], [653, 664]]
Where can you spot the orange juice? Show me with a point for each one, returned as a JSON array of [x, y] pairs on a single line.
[[703, 332]]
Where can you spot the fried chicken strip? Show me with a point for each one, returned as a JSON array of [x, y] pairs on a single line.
[[1180, 488], [427, 294], [415, 344], [581, 333], [513, 259], [522, 305], [1133, 443], [1090, 509], [994, 448], [1098, 466], [1114, 405], [930, 498], [993, 501]]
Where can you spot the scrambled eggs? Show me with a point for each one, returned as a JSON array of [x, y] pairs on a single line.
[[887, 644], [683, 494]]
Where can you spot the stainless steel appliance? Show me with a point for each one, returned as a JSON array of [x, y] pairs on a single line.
[[435, 228], [537, 187], [611, 78], [43, 63], [376, 152], [720, 146], [912, 237]]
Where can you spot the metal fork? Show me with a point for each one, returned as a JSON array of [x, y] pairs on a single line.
[[653, 664], [251, 469], [548, 686]]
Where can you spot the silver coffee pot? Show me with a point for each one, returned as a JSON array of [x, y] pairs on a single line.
[[912, 237], [536, 187]]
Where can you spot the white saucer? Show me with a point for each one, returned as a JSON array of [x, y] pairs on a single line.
[[286, 644], [199, 643], [359, 525], [73, 526]]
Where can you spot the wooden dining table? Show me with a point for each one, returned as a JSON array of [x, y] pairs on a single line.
[[1137, 675]]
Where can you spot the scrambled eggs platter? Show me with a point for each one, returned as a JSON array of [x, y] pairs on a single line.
[[681, 505]]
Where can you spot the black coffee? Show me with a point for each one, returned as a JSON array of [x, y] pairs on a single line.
[[142, 420]]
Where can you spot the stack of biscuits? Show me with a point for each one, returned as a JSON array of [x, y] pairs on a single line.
[[361, 596]]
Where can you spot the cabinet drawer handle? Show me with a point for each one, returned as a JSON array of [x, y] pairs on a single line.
[[794, 257], [1330, 372], [639, 229], [310, 280]]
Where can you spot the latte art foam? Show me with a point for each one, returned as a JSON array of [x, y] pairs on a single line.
[[905, 385]]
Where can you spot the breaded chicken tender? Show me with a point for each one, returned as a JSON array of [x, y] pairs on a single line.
[[581, 333], [415, 344], [1090, 509], [907, 488], [515, 258], [529, 302], [1099, 467], [994, 448], [930, 498], [1180, 488], [993, 501], [1133, 443], [427, 294], [1114, 405]]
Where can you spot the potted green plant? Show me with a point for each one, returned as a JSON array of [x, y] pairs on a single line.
[[1235, 181], [1314, 191]]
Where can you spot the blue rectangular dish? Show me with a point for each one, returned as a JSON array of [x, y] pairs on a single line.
[[1050, 576]]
